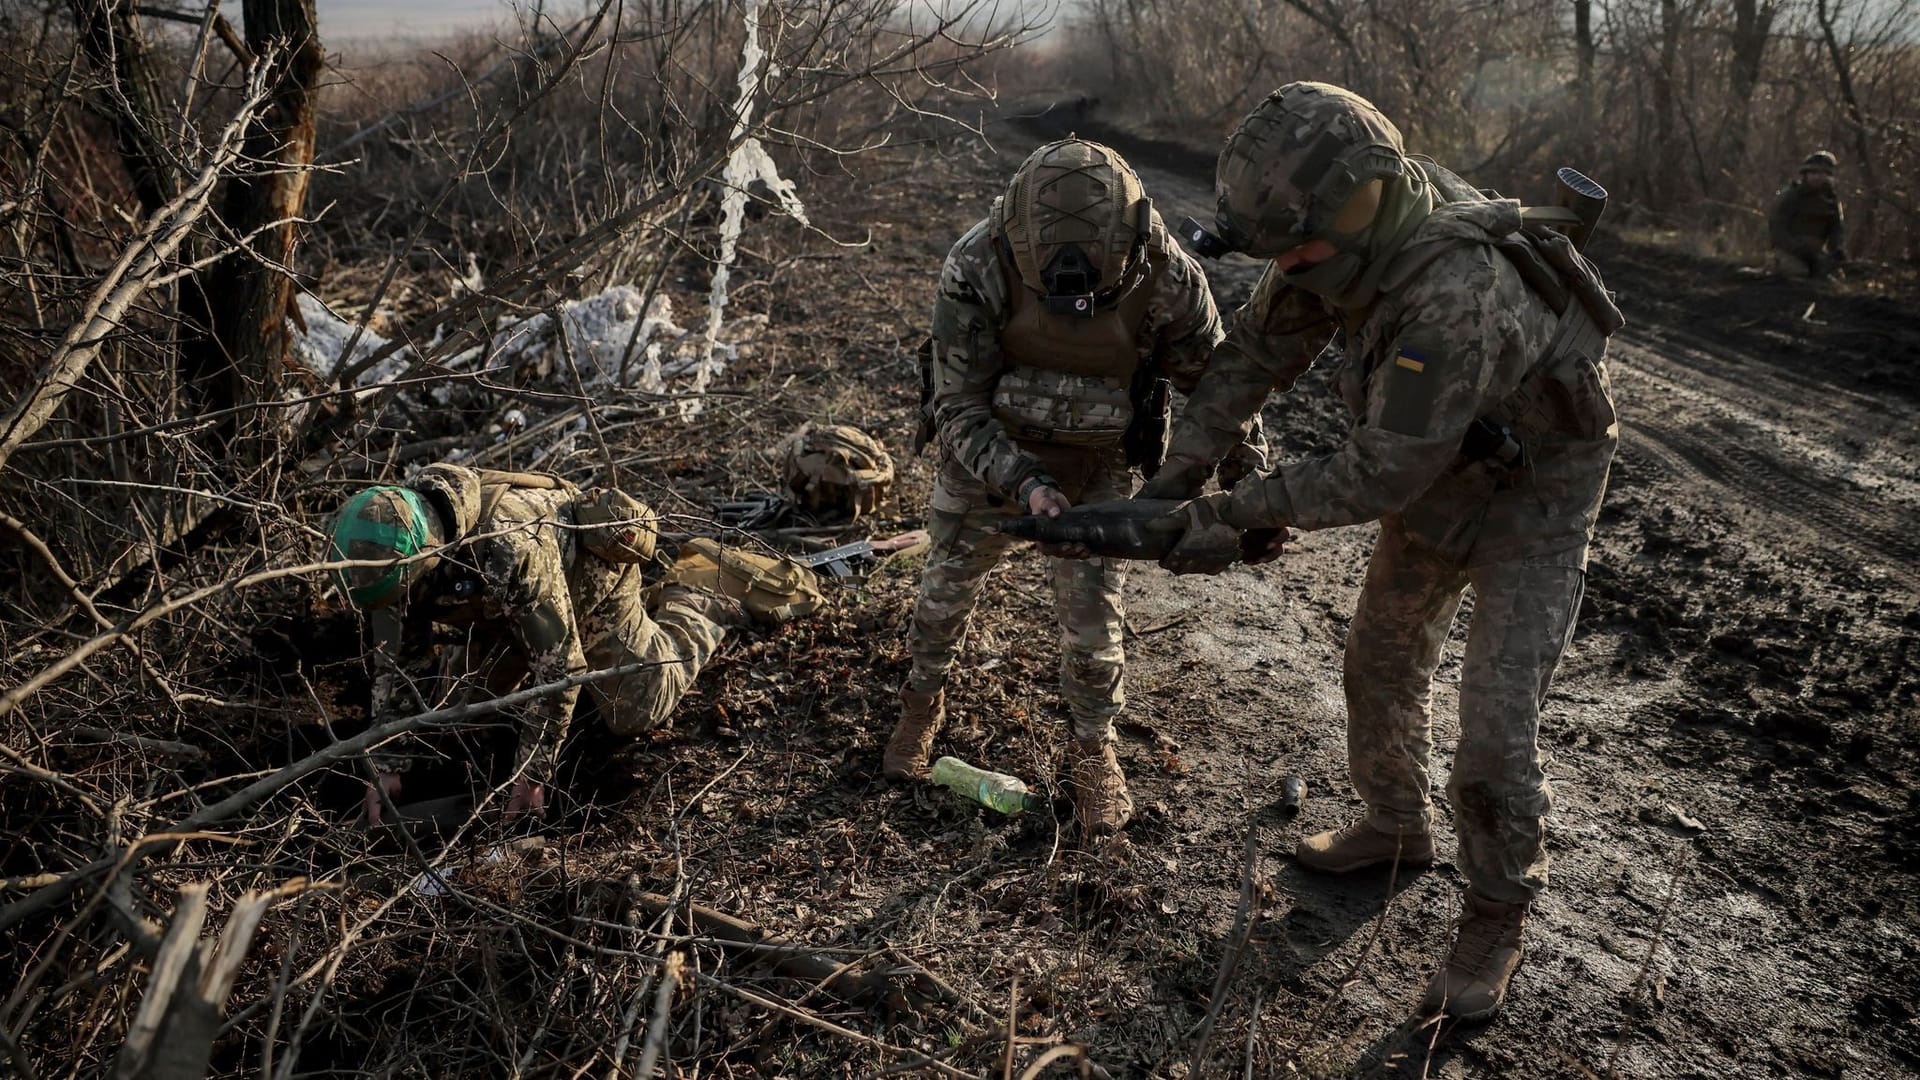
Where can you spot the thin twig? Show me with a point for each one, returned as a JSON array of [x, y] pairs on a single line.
[[1230, 958]]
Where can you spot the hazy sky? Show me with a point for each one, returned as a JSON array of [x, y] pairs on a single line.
[[408, 18]]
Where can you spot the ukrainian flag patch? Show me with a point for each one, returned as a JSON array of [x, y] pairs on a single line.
[[1410, 360]]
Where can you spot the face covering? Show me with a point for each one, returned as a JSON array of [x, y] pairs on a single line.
[[1350, 278]]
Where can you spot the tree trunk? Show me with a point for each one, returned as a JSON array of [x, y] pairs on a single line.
[[110, 35], [1828, 14], [1752, 30], [1586, 124], [243, 356], [1665, 140]]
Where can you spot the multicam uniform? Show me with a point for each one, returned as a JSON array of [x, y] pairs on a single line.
[[533, 605], [1455, 335], [1019, 393]]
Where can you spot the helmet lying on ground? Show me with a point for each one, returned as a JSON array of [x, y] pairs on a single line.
[[836, 467]]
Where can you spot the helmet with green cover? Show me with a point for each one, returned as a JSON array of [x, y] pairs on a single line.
[[390, 525], [1076, 221], [1294, 163]]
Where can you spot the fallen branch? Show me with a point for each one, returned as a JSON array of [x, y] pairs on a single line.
[[1230, 959], [662, 1010], [790, 960], [55, 891], [823, 1024], [172, 1035]]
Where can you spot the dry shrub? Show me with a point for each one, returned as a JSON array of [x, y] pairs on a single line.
[[1693, 114], [170, 659]]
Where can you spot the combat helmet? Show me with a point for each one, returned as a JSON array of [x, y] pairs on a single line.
[[1293, 163], [385, 523], [1820, 161], [836, 467], [1076, 221]]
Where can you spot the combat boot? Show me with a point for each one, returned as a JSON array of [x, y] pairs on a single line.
[[912, 740], [1100, 797], [1359, 846], [720, 610], [1472, 984]]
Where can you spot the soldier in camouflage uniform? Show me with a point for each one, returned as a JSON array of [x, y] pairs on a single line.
[[1806, 221], [1049, 316], [542, 581], [1475, 368]]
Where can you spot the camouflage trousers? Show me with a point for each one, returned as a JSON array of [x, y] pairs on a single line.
[[1086, 592], [1523, 614], [675, 642]]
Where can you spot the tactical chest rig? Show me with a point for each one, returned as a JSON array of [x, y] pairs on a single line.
[[1073, 381]]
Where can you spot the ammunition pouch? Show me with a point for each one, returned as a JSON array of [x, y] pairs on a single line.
[[770, 587], [1063, 408], [1145, 440]]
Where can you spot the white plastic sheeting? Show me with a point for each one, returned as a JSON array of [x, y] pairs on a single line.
[[598, 329], [749, 164]]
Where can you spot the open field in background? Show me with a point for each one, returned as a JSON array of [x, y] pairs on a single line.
[[1733, 738]]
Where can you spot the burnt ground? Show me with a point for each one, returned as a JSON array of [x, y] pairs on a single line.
[[1732, 737]]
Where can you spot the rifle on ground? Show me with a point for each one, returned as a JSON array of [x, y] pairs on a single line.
[[839, 561]]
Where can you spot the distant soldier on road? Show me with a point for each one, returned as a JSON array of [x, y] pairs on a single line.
[[1807, 223], [1055, 321], [544, 581], [1475, 368]]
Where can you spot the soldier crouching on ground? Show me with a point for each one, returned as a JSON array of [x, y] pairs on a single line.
[[1807, 223], [1055, 326], [545, 582], [1475, 367]]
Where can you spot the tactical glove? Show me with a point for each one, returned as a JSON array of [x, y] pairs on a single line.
[[1247, 458], [1207, 545]]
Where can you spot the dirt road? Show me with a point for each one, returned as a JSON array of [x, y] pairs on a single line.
[[1732, 738]]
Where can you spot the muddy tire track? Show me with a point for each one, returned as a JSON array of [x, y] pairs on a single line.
[[1762, 440]]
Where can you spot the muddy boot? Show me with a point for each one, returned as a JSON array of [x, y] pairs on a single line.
[[912, 740], [719, 610], [1100, 796], [1472, 984], [1359, 846]]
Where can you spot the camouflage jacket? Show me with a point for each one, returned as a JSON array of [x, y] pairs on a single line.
[[518, 589], [1807, 220], [1448, 345], [970, 308]]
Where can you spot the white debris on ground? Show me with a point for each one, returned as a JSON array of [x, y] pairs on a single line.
[[599, 329], [318, 347], [748, 164]]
